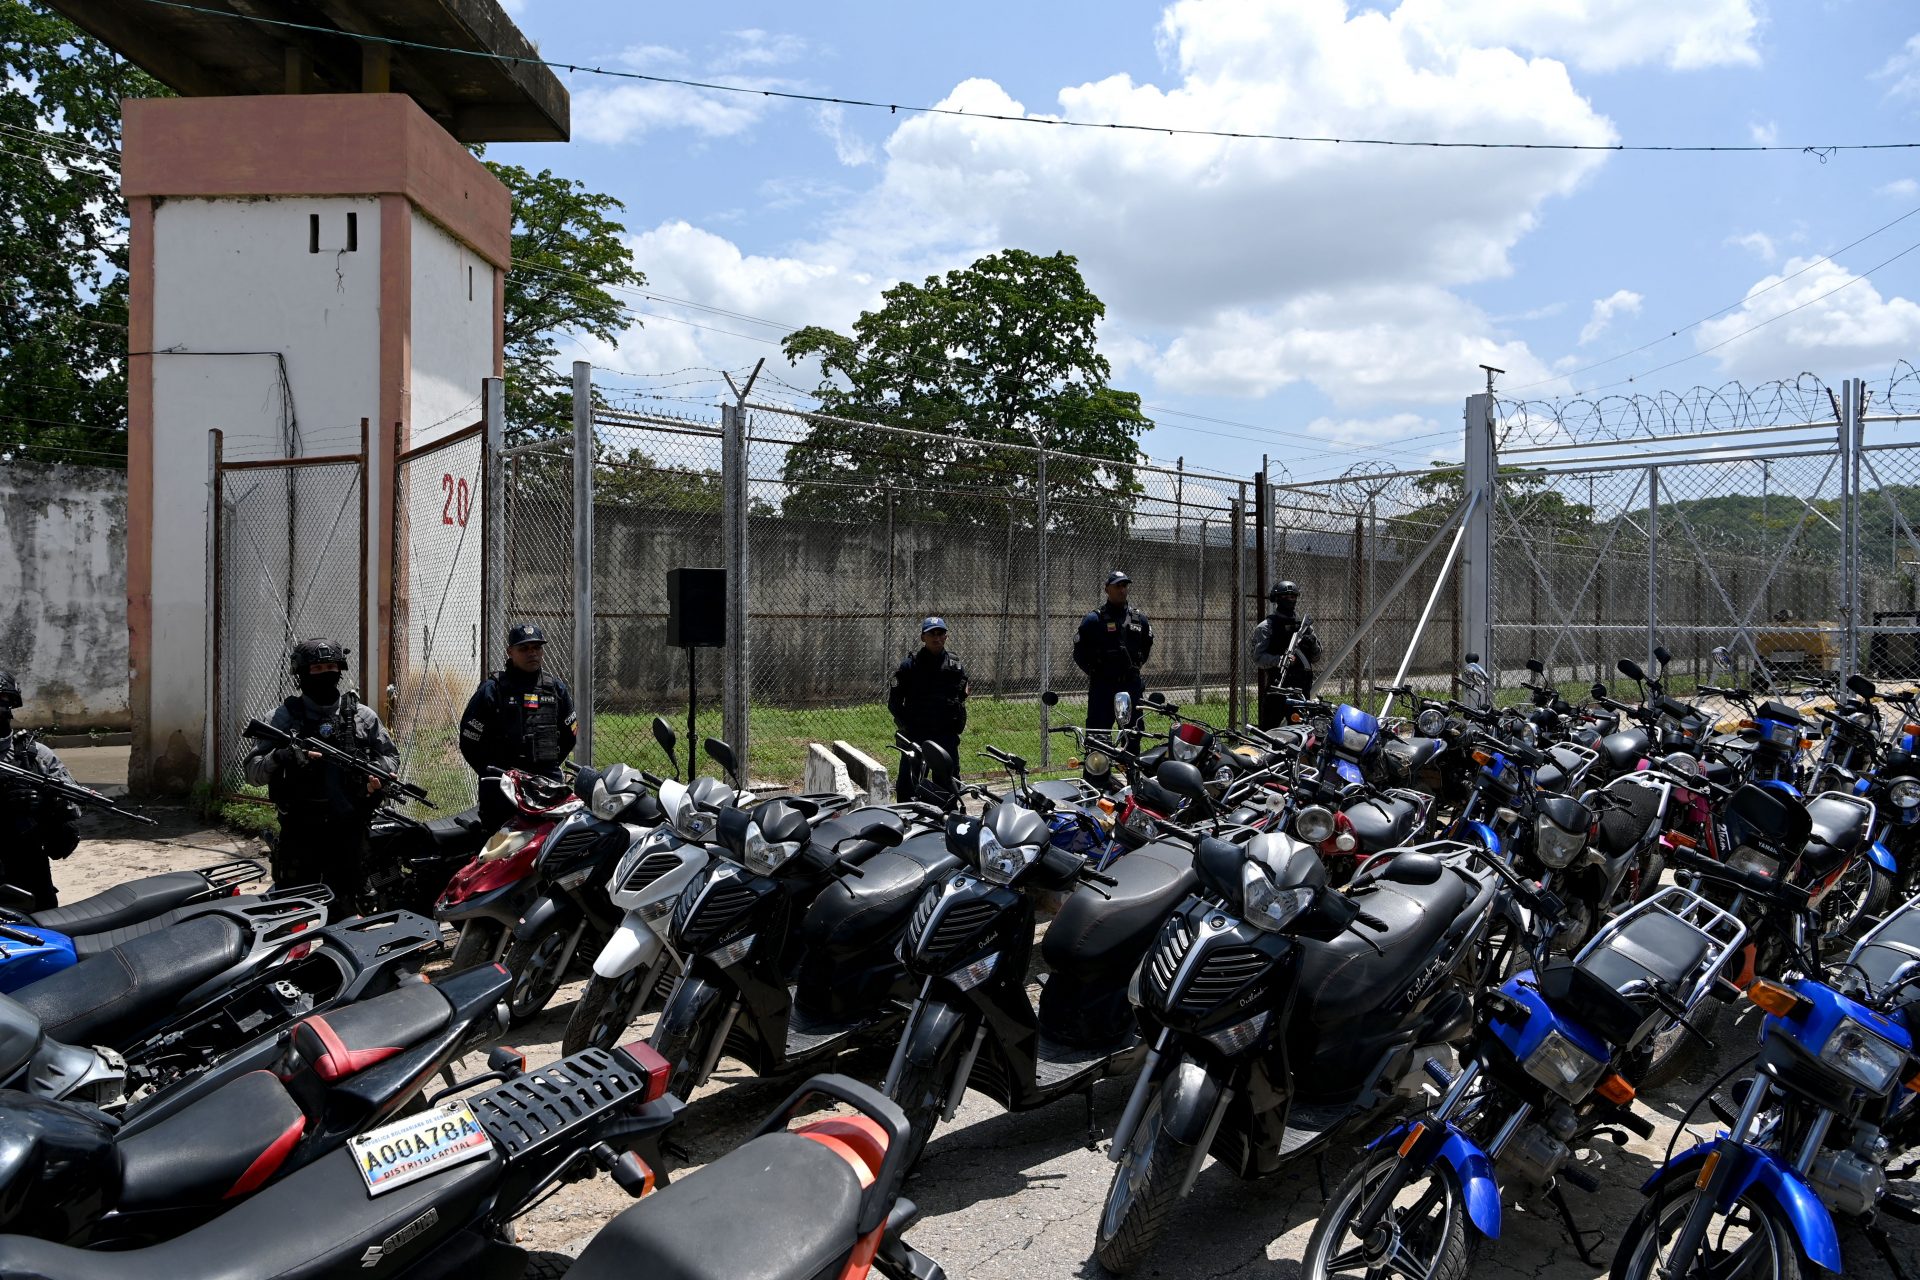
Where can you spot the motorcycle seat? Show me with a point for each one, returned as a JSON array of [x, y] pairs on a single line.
[[339, 1042], [854, 912], [107, 997], [1101, 930], [1410, 755], [1625, 749], [1718, 772], [92, 944], [1059, 791], [1623, 828], [124, 904], [1895, 943], [224, 1146], [1839, 823], [1345, 977], [1382, 822], [457, 829], [781, 1205], [1651, 946]]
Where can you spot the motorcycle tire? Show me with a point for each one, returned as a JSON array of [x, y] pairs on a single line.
[[1842, 916], [538, 966], [544, 1264], [608, 1007], [1140, 1199], [1447, 1248], [479, 942], [1776, 1249], [922, 1094], [685, 1048], [1673, 1050]]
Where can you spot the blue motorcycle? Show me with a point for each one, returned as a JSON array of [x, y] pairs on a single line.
[[1554, 1059], [1830, 1098]]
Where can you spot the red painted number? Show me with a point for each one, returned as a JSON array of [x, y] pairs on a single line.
[[459, 504]]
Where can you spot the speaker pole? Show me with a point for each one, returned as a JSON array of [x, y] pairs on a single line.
[[693, 693]]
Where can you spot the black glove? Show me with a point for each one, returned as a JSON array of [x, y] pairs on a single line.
[[61, 841], [289, 757]]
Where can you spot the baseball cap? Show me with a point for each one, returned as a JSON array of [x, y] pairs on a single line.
[[933, 624], [1117, 577], [526, 633]]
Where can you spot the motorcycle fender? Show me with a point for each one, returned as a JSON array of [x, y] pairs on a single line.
[[935, 1033], [1469, 1162], [547, 912], [1192, 1102], [1484, 834], [1797, 1202], [633, 944], [1883, 859], [693, 999]]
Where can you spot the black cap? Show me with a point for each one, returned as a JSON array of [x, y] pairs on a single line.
[[933, 624], [526, 633], [1117, 577]]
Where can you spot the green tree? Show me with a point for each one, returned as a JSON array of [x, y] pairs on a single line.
[[63, 239], [1003, 352]]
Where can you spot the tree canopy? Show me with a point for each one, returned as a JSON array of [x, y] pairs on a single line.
[[1003, 352]]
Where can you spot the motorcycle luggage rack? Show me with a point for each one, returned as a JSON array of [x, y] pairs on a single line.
[[545, 1105], [1586, 756], [229, 875], [1872, 938], [1722, 931]]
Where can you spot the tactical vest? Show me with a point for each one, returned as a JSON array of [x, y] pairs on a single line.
[[1280, 634], [19, 802], [321, 788], [529, 721]]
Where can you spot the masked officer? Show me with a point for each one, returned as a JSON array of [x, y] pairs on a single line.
[[324, 806], [35, 825], [1282, 671], [1113, 643], [520, 717], [929, 698]]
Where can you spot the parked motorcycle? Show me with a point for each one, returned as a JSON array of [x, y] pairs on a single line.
[[486, 898]]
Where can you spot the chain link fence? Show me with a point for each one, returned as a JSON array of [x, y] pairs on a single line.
[[288, 562]]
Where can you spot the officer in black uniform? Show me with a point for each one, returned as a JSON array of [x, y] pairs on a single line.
[[519, 718], [325, 808], [1281, 673], [1113, 643], [929, 699], [35, 825]]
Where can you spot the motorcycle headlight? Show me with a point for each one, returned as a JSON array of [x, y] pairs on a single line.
[[1905, 793], [1266, 907], [1564, 1067], [1313, 823], [1430, 723], [1097, 764], [1184, 750], [1233, 1039], [1783, 734], [1553, 846], [762, 857], [696, 826], [1865, 1057], [1747, 858], [1140, 822], [1000, 863]]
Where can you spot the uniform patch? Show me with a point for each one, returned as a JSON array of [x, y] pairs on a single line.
[[1113, 626], [531, 701]]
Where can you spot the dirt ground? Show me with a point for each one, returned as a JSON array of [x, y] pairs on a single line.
[[1020, 1195]]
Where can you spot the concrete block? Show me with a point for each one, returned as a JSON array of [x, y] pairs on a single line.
[[826, 775], [869, 775]]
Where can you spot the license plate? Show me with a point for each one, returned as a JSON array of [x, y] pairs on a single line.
[[407, 1150]]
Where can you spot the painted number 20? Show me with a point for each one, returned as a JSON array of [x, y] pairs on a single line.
[[459, 504]]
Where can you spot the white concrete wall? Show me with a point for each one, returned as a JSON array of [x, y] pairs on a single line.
[[238, 275], [63, 593], [452, 331]]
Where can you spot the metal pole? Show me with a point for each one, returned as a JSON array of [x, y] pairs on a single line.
[[493, 514], [1476, 579], [1236, 623], [1262, 512], [366, 501], [1856, 599], [217, 649], [1200, 614], [1040, 583], [1653, 559], [734, 477], [583, 558], [1433, 596]]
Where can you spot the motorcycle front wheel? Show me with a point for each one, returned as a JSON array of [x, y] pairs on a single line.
[[1752, 1241], [609, 1005], [1860, 892], [1146, 1183], [1424, 1232], [537, 965], [922, 1094]]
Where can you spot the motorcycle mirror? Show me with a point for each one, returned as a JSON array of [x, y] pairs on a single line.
[[1122, 709], [1476, 676], [1157, 698], [1722, 657], [1861, 685], [1470, 657], [1599, 690], [722, 754], [1536, 666], [663, 734], [1630, 669], [1661, 655], [1050, 698], [1181, 778]]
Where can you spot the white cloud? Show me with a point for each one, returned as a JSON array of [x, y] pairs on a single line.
[[1900, 188], [624, 112], [1764, 134], [1372, 431], [756, 48], [1854, 328], [1621, 302], [1903, 69], [848, 147], [1759, 241], [1600, 35], [646, 57]]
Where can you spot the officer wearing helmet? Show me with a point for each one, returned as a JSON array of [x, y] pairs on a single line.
[[35, 825], [324, 807], [521, 717], [928, 699], [1113, 643], [1284, 652]]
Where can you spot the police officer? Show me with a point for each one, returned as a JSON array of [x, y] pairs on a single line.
[[1113, 643], [929, 698], [519, 718], [35, 825], [1282, 672], [324, 806]]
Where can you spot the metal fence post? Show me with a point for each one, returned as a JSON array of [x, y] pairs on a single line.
[[583, 557], [211, 744], [1653, 560], [1236, 622], [1476, 576], [493, 516], [1200, 615], [1262, 513], [1852, 429], [1040, 584], [736, 698]]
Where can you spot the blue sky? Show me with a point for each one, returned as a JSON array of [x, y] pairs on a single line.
[[1330, 303]]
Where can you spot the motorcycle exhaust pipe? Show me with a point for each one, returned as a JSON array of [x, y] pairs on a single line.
[[959, 1089], [1136, 1101]]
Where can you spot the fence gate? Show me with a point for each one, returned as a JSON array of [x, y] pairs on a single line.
[[444, 636], [289, 561]]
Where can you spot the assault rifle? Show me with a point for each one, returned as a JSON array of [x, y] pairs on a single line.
[[69, 791], [261, 731]]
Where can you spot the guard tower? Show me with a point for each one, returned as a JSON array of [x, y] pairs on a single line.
[[312, 246]]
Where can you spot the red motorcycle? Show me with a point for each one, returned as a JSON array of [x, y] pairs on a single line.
[[487, 897]]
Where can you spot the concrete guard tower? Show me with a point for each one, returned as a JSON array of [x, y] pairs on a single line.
[[311, 245]]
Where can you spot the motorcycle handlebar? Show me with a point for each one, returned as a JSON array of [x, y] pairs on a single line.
[[1763, 887]]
